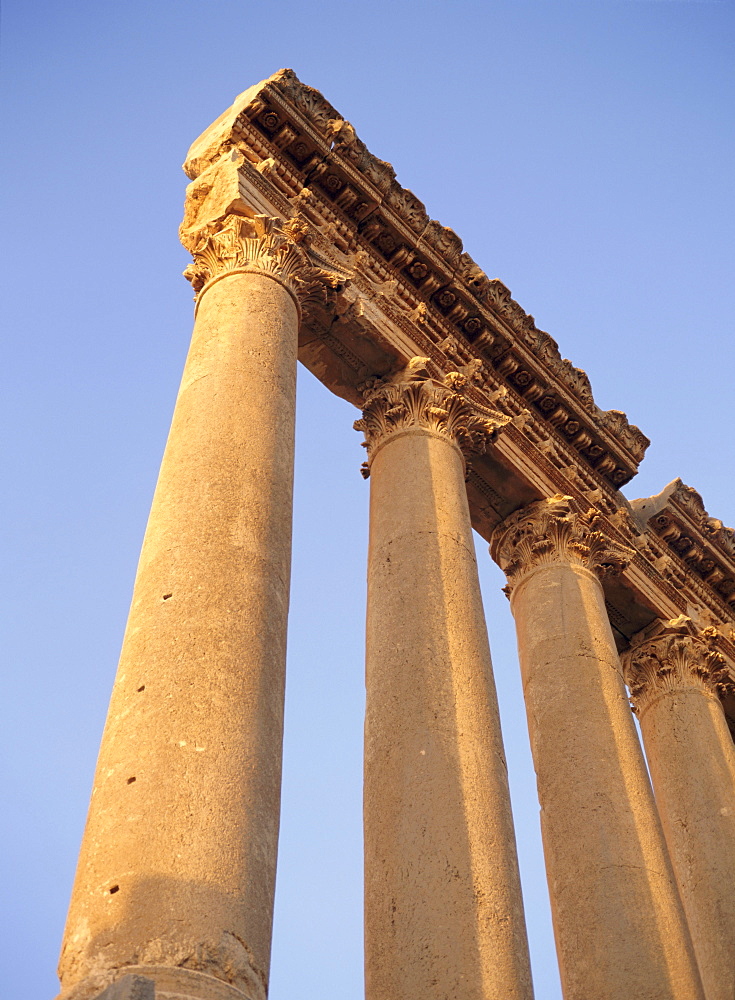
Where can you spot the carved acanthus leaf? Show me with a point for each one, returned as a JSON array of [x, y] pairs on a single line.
[[413, 399], [346, 143], [411, 210], [616, 422], [288, 116], [679, 655], [309, 101], [678, 516], [712, 527], [263, 244], [555, 531], [444, 241]]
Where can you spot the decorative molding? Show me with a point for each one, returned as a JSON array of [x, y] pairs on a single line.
[[673, 656], [436, 239], [264, 244], [283, 149], [297, 139], [412, 399], [555, 531], [703, 544]]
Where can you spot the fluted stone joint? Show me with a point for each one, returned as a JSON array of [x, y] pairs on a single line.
[[130, 988]]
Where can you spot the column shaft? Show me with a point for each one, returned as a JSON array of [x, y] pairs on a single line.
[[443, 909], [177, 866], [691, 758], [618, 921]]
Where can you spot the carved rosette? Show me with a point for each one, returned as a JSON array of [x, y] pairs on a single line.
[[412, 399], [235, 243], [679, 657], [554, 531]]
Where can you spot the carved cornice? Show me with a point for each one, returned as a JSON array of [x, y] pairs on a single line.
[[414, 291], [412, 399], [672, 656], [554, 531], [703, 543], [264, 244], [300, 144]]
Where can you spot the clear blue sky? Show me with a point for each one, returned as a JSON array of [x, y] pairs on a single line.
[[583, 151]]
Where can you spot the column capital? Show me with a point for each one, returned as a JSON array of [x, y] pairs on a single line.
[[236, 243], [672, 656], [555, 531], [412, 399]]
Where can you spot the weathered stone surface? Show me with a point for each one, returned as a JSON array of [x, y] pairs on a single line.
[[308, 141], [619, 925], [297, 231], [443, 908], [177, 866], [412, 291], [676, 675], [707, 547], [186, 984], [130, 988]]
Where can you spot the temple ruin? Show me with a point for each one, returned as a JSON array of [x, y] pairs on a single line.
[[305, 248]]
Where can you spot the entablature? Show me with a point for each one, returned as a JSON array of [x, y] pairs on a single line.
[[411, 291], [314, 159], [700, 543]]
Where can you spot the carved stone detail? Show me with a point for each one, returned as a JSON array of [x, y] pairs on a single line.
[[555, 531], [678, 656], [130, 987], [294, 137], [234, 243], [711, 527], [412, 398], [704, 544]]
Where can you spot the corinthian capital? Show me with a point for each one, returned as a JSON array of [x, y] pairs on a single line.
[[235, 243], [678, 656], [412, 399], [554, 531], [224, 236]]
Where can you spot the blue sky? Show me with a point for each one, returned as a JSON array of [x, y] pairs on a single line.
[[584, 153]]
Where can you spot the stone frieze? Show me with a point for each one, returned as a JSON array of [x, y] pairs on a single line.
[[300, 142]]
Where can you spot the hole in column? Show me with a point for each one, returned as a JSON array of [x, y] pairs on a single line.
[[114, 888], [141, 688], [131, 780], [166, 596]]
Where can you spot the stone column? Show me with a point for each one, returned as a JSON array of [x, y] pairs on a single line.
[[674, 678], [176, 874], [443, 909], [618, 920]]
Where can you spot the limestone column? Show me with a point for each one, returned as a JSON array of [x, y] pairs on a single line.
[[176, 872], [443, 909], [674, 678], [618, 920]]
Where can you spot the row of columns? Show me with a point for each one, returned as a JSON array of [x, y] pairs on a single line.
[[177, 869]]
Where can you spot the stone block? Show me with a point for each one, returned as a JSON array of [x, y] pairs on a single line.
[[130, 988]]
